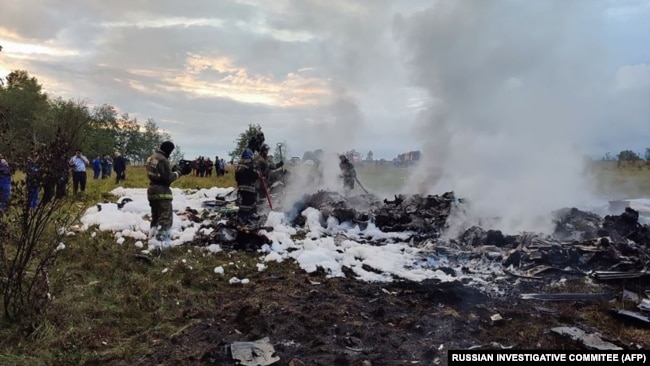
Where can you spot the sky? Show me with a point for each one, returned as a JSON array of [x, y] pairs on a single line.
[[343, 75]]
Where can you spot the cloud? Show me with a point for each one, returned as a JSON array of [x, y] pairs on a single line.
[[633, 77], [331, 74]]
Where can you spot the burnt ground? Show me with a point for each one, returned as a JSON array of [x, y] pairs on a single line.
[[314, 320]]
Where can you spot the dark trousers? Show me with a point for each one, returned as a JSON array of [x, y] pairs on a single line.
[[161, 214], [119, 176], [78, 181]]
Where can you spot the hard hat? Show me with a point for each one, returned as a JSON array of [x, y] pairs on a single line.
[[247, 154]]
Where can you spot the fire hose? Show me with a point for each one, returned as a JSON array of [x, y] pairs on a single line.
[[266, 190], [361, 185]]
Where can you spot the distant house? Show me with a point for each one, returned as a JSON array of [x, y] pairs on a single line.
[[408, 158]]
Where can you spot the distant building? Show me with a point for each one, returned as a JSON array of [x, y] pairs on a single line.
[[408, 158]]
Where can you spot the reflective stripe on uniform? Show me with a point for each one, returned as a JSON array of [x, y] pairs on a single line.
[[247, 189], [160, 196]]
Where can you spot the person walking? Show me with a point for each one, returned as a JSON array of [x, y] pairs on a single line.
[[78, 163]]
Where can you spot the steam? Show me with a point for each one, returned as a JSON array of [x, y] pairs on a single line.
[[513, 85]]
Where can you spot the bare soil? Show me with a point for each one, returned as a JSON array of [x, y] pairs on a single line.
[[314, 320]]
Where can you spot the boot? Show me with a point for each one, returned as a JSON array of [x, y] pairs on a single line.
[[164, 236]]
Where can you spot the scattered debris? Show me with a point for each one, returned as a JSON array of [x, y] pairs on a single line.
[[638, 318], [257, 353], [589, 340], [644, 305], [568, 297], [496, 319]]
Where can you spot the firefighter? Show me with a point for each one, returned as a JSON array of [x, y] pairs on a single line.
[[159, 193], [246, 176], [264, 164], [348, 173]]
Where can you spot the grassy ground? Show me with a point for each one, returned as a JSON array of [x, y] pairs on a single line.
[[108, 305], [627, 181]]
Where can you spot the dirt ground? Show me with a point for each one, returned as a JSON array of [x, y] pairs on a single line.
[[314, 320]]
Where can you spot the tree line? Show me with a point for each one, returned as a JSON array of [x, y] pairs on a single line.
[[628, 156], [30, 117]]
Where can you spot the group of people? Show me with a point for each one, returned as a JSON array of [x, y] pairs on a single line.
[[35, 176], [202, 166], [105, 166]]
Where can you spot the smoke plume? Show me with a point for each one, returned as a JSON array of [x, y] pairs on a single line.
[[513, 85]]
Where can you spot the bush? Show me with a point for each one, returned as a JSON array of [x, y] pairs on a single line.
[[30, 234]]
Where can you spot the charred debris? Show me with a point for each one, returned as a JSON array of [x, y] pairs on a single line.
[[613, 248]]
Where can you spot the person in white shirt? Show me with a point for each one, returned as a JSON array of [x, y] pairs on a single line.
[[78, 163]]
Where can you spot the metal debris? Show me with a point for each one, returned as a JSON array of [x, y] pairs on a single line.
[[258, 353], [589, 340], [568, 297], [638, 318]]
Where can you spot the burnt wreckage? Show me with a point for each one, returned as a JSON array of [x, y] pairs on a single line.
[[583, 243]]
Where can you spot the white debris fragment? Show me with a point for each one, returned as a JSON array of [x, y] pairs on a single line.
[[245, 281], [219, 270], [139, 244], [120, 240], [213, 248], [165, 270], [61, 246], [261, 267], [234, 280]]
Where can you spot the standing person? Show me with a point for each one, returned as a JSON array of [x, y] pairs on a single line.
[[97, 167], [119, 164], [5, 183], [208, 167], [348, 173], [33, 180], [246, 177], [222, 167], [265, 165], [109, 164], [159, 193], [78, 163], [104, 166]]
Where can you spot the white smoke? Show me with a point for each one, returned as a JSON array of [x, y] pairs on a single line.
[[513, 86]]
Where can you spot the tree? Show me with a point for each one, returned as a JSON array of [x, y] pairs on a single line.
[[242, 140], [24, 106], [647, 154], [177, 154], [74, 120], [102, 134], [628, 155]]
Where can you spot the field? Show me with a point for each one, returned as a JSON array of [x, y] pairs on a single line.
[[110, 308]]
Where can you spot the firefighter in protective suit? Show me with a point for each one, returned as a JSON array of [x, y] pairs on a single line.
[[159, 193], [246, 176], [348, 173], [265, 166]]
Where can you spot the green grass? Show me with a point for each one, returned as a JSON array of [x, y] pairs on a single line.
[[108, 306], [628, 181]]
